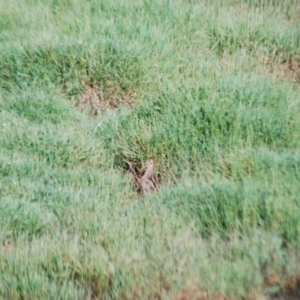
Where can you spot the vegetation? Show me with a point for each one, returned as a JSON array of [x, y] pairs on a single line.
[[209, 89]]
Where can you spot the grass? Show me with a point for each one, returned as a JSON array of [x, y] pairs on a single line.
[[214, 99]]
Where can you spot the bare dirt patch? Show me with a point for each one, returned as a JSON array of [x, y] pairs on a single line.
[[191, 295], [194, 294], [95, 100], [290, 290], [283, 68]]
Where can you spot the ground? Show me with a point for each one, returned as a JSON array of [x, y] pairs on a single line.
[[209, 90]]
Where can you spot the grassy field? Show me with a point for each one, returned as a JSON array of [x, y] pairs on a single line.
[[209, 89]]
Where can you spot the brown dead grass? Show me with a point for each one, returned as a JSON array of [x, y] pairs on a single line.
[[195, 294], [290, 289], [283, 68], [95, 100], [288, 286], [191, 295], [187, 294]]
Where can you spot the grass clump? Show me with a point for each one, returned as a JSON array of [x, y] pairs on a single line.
[[209, 90]]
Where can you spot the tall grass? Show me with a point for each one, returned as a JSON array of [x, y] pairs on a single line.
[[214, 99]]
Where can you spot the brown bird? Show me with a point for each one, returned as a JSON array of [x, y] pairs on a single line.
[[148, 182]]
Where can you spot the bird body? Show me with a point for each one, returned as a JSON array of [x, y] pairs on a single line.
[[148, 182]]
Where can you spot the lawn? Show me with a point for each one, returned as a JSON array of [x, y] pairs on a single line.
[[209, 89]]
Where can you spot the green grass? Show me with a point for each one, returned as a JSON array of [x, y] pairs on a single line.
[[216, 102]]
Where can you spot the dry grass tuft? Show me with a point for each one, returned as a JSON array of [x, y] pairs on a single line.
[[194, 294], [284, 68], [95, 101]]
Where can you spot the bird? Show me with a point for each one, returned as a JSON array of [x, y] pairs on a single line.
[[147, 182]]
